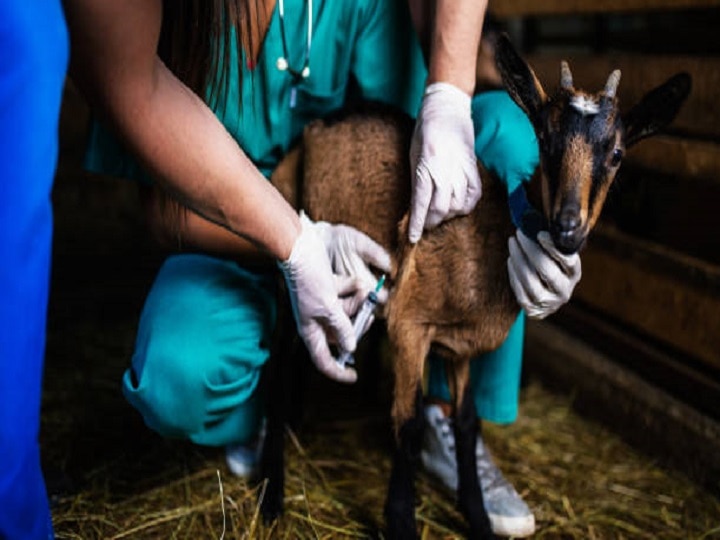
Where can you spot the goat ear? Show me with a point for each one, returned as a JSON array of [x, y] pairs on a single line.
[[519, 79], [656, 109]]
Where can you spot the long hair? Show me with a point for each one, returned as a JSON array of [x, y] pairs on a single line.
[[195, 42], [196, 38]]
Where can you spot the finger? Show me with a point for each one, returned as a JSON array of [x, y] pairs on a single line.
[[568, 263], [540, 261], [420, 204], [459, 187], [341, 327], [351, 292], [371, 252], [534, 289], [440, 202], [383, 295], [474, 187], [351, 304], [323, 359], [517, 287], [546, 267], [531, 309], [349, 285]]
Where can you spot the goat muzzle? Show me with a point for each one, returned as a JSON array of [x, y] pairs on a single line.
[[567, 230]]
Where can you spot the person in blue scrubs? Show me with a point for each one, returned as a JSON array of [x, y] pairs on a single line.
[[33, 61], [205, 328]]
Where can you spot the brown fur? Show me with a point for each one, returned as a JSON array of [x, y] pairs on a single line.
[[451, 289]]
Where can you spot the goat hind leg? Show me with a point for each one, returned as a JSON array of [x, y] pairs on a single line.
[[469, 495], [400, 503]]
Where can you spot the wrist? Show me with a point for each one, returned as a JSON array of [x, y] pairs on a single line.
[[462, 84], [444, 97]]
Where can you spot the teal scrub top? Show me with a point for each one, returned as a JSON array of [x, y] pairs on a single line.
[[361, 48]]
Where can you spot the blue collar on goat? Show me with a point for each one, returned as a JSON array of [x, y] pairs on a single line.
[[525, 216]]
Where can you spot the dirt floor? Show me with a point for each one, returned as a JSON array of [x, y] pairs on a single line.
[[111, 477]]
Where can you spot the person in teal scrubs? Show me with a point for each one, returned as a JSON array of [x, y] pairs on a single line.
[[206, 325]]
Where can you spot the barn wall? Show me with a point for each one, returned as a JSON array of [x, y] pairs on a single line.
[[649, 299]]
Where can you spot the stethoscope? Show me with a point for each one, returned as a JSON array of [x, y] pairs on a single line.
[[282, 62]]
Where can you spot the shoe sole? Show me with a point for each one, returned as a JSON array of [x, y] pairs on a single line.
[[516, 527]]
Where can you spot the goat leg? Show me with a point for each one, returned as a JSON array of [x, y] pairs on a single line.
[[400, 503], [272, 459], [469, 495], [279, 387]]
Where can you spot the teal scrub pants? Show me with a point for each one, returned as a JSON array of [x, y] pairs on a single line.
[[206, 325]]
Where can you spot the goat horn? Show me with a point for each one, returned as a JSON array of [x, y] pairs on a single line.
[[612, 84], [565, 75]]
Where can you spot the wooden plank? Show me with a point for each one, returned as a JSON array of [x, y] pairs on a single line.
[[679, 212], [524, 8], [657, 291], [700, 115], [678, 157], [644, 414]]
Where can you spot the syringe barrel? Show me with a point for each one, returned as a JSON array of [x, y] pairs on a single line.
[[361, 318]]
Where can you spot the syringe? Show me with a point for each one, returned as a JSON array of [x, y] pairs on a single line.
[[361, 319]]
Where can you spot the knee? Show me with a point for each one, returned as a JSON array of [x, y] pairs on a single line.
[[204, 396], [166, 388]]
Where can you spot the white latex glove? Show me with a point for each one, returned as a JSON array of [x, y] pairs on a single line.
[[317, 309], [445, 181], [541, 277], [351, 253]]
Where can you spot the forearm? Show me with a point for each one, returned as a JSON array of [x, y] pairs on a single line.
[[455, 40], [168, 127], [178, 229], [190, 152]]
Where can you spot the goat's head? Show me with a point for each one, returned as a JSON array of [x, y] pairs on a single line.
[[582, 138]]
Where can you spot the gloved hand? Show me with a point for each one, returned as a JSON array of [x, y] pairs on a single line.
[[314, 296], [351, 252], [541, 277], [445, 180]]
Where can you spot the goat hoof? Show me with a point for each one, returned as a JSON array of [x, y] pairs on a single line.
[[402, 533], [401, 526], [271, 506]]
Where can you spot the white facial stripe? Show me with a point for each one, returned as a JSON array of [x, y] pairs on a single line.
[[584, 105]]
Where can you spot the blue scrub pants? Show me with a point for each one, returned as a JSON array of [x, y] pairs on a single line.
[[33, 61], [205, 328]]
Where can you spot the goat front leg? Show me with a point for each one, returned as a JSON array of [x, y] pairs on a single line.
[[469, 494], [408, 361], [282, 388]]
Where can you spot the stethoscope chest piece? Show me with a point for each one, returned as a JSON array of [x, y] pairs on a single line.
[[282, 62]]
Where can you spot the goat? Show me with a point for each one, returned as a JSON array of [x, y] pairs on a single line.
[[451, 290]]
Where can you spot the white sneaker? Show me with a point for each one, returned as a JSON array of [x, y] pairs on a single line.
[[508, 513], [243, 460]]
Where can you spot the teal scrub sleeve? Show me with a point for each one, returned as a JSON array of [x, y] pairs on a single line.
[[387, 61], [504, 138]]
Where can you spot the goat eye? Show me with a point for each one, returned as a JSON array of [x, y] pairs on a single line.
[[616, 157]]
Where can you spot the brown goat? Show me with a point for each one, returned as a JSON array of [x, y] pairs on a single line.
[[451, 291]]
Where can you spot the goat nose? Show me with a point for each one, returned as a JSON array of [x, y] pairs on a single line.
[[569, 218]]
